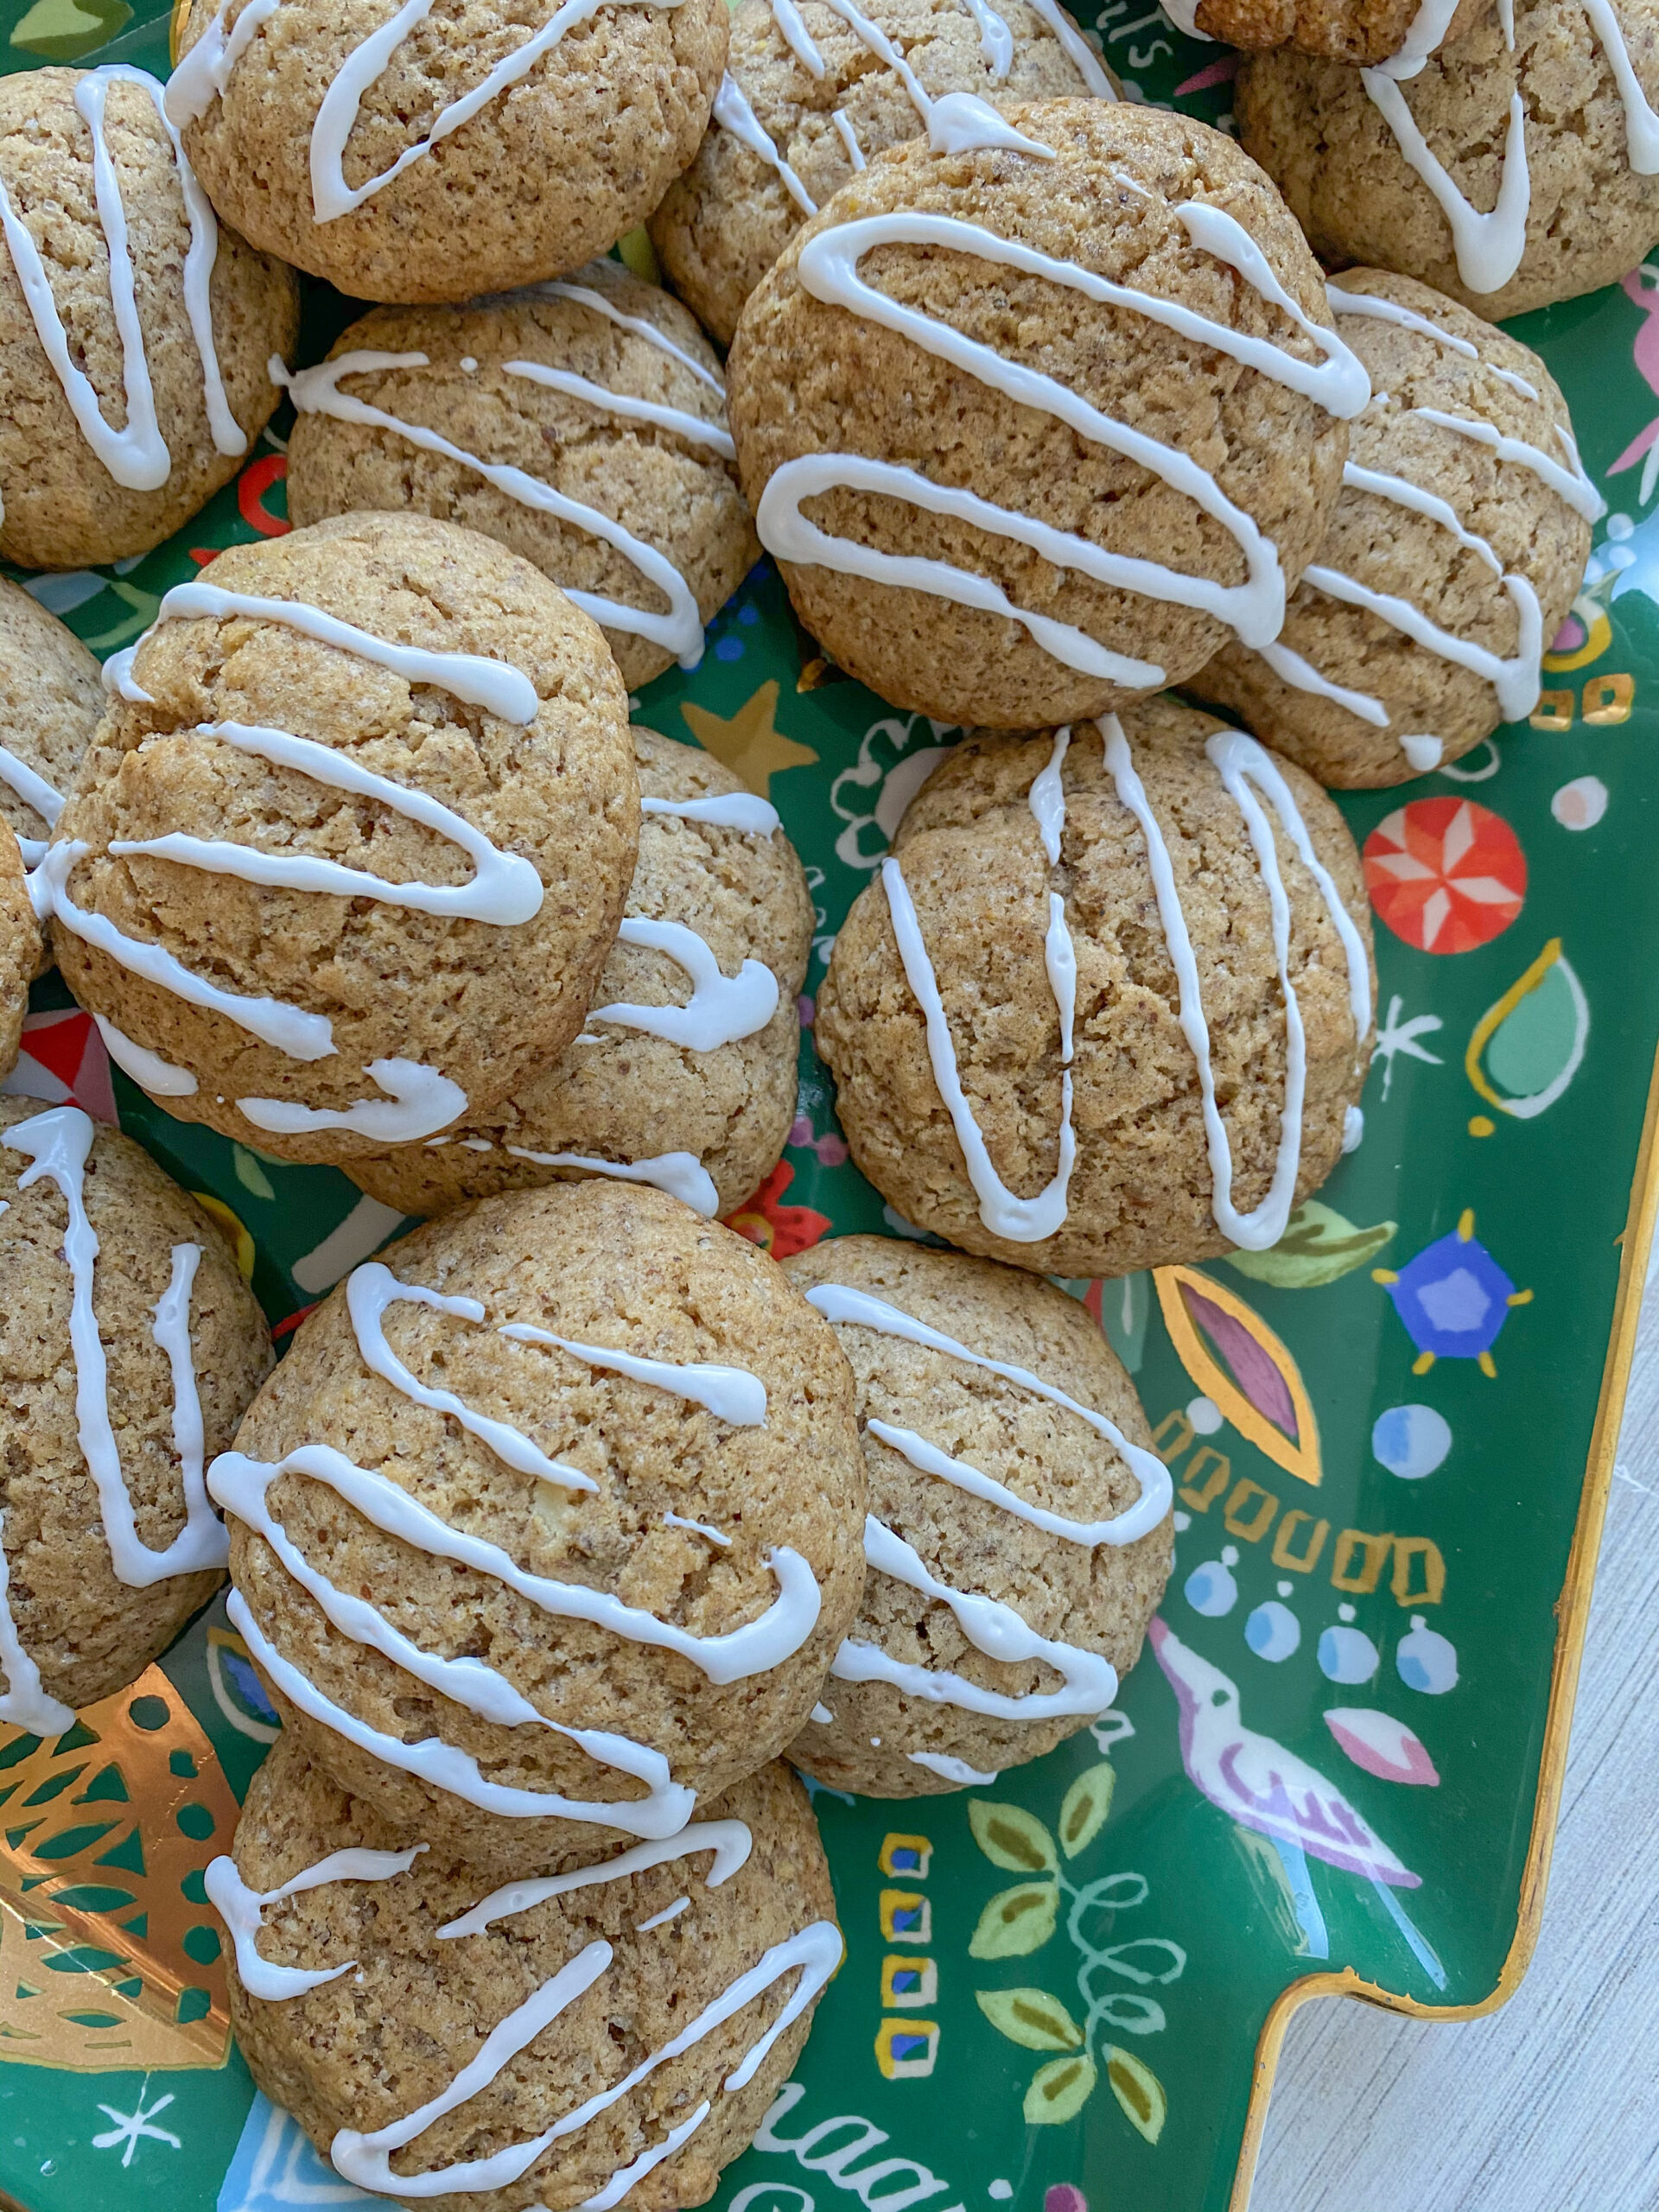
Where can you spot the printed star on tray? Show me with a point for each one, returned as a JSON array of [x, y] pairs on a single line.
[[130, 2125], [749, 743]]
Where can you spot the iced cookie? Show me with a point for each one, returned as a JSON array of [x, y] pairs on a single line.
[[583, 424], [1086, 531], [550, 1523], [685, 1073], [1065, 1027], [1457, 545], [424, 156], [614, 2030], [129, 1348], [1359, 31], [20, 948], [1509, 171], [134, 331], [812, 91], [348, 852], [1019, 1536]]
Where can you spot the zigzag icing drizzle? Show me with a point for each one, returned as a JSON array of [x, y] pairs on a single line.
[[1244, 769], [205, 71], [679, 630], [1089, 1683], [58, 1143], [1516, 679], [1489, 247], [242, 1485], [45, 798], [505, 889], [828, 269], [136, 456], [813, 1954]]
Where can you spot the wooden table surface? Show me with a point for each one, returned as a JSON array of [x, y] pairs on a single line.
[[1552, 2103]]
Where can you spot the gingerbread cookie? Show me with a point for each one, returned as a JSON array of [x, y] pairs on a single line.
[[424, 156], [1019, 1536], [129, 1348], [1362, 33], [812, 91], [614, 2030], [1065, 1028], [1088, 531], [1457, 545], [1519, 167], [583, 424], [684, 1074], [350, 848], [135, 331], [20, 948], [548, 1527]]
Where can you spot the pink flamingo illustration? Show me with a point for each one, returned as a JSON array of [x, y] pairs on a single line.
[[1642, 286], [1264, 1787]]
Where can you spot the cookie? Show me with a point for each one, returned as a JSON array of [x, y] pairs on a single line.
[[1457, 548], [1062, 1031], [1362, 33], [433, 156], [348, 851], [20, 948], [51, 697], [597, 1462], [129, 1348], [1189, 410], [1019, 1537], [1509, 171], [812, 91], [685, 1073], [135, 331], [649, 2003], [583, 424]]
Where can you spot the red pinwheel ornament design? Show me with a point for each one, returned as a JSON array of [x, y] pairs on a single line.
[[1445, 874]]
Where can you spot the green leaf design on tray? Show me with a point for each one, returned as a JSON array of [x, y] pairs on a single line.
[[1016, 1922], [1084, 1807], [1319, 1246], [1140, 2092], [1012, 1838], [250, 1174], [1059, 2090], [1031, 2018]]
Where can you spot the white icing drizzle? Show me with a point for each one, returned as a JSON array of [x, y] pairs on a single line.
[[136, 456], [26, 1703], [815, 1953], [843, 1305], [796, 37], [952, 1769], [1293, 668], [828, 269], [732, 114], [1241, 763], [996, 41], [849, 138], [871, 36], [822, 1714], [1570, 484], [1353, 1128], [693, 428], [1089, 1681], [730, 1841], [1428, 28], [721, 1008], [624, 2179], [159, 1076], [58, 1143], [35, 792], [731, 1393], [755, 817], [681, 1174], [242, 1909], [959, 123], [640, 326], [1081, 54], [1514, 680], [201, 77], [419, 1100], [661, 1920], [701, 1528], [679, 630], [1376, 308]]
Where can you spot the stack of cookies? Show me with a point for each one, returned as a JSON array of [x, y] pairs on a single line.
[[572, 1517]]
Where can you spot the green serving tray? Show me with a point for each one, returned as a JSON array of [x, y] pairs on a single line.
[[1340, 1770]]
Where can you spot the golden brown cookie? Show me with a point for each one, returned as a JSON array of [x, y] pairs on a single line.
[[811, 93], [442, 154], [130, 1347], [688, 1085], [1009, 467], [664, 1994], [1425, 173], [20, 948], [1456, 551], [582, 424], [1361, 33], [377, 811], [1020, 1533], [1125, 851], [135, 330], [548, 1525]]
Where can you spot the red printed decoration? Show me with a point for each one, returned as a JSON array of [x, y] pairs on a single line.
[[1445, 874]]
